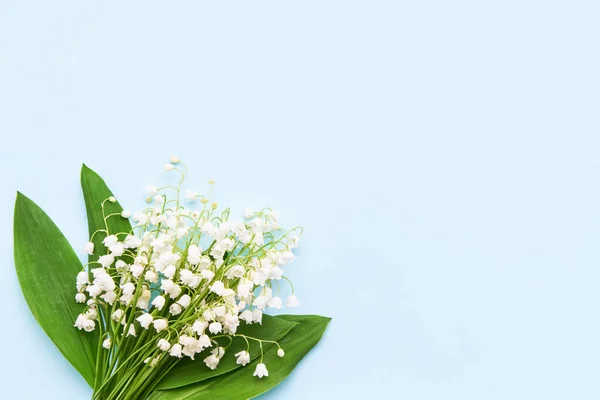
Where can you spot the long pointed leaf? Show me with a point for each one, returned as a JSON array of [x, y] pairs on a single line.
[[240, 384], [47, 268], [190, 371], [95, 192]]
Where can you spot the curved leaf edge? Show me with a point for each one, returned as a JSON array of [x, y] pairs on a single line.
[[26, 203], [170, 383], [199, 389]]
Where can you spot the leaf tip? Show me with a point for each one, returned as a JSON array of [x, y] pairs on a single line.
[[20, 198], [87, 174], [324, 320], [84, 170]]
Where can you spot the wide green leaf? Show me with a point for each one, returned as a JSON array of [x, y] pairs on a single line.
[[240, 384], [190, 371], [95, 192], [47, 268]]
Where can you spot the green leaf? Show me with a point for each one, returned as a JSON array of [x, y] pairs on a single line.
[[95, 192], [47, 268], [190, 371], [240, 384]]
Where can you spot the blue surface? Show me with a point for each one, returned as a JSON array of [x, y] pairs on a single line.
[[443, 157]]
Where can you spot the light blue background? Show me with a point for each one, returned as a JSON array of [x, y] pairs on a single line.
[[443, 157]]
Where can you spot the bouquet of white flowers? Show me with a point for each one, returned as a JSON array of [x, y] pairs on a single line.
[[171, 302]]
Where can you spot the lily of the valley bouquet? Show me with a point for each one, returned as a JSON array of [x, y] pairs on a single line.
[[172, 302]]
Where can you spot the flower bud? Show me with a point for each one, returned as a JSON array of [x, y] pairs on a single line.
[[261, 370], [160, 324], [184, 301], [159, 302], [89, 248], [176, 350], [292, 301], [175, 309], [163, 345], [145, 320], [243, 358]]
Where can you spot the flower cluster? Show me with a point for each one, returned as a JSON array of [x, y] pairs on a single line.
[[183, 277]]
